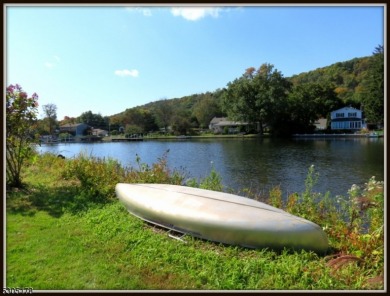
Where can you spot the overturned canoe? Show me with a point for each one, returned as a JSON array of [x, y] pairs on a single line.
[[220, 217]]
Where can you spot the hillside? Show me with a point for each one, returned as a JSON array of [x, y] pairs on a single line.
[[196, 110], [345, 76]]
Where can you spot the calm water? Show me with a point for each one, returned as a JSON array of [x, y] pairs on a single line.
[[258, 164]]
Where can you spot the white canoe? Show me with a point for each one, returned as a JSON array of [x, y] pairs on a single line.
[[220, 217]]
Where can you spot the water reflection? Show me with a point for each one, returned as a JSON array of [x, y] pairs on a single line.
[[258, 164]]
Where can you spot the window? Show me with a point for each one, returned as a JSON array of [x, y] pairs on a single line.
[[339, 115]]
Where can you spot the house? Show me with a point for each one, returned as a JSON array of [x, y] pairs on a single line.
[[321, 124], [77, 129], [99, 132], [220, 124], [347, 118]]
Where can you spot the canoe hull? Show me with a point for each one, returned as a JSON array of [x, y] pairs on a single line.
[[220, 217]]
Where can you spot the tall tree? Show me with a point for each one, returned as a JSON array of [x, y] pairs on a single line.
[[373, 89], [163, 113], [50, 111], [21, 114], [308, 102], [93, 120], [257, 96], [205, 109]]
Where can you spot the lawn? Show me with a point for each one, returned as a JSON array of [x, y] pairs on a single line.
[[58, 239]]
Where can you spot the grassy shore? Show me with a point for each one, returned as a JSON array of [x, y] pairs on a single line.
[[64, 231]]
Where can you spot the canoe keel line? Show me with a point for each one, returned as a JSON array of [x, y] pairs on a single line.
[[220, 217]]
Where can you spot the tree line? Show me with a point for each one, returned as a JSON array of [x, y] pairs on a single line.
[[262, 97], [259, 96], [268, 100]]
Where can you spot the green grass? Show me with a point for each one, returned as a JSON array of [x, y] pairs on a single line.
[[55, 242]]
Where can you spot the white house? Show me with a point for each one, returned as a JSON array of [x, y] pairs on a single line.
[[347, 118]]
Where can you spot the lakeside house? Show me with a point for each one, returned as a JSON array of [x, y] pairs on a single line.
[[321, 124], [219, 124], [99, 132], [77, 129], [347, 118]]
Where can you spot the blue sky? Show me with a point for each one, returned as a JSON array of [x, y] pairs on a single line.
[[109, 58]]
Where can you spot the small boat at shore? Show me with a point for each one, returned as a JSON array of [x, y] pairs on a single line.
[[220, 217], [374, 135]]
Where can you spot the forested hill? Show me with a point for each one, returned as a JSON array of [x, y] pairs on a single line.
[[345, 76]]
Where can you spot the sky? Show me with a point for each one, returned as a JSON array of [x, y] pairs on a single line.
[[106, 59]]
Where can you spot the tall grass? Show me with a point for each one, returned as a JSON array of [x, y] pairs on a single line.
[[67, 231]]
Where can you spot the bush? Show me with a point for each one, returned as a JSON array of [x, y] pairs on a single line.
[[98, 176], [354, 224]]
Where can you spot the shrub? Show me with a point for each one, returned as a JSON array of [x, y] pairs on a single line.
[[354, 224], [97, 177]]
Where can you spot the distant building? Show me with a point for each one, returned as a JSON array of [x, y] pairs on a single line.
[[347, 118], [219, 124], [77, 129], [99, 132], [321, 124]]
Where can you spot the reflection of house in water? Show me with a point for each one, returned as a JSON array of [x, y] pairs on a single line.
[[77, 129], [219, 124]]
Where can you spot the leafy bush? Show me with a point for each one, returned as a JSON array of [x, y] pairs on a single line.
[[98, 176], [212, 182], [157, 173], [354, 224]]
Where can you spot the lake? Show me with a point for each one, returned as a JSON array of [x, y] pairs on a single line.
[[255, 163]]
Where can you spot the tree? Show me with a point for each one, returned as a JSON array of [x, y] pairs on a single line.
[[163, 112], [21, 113], [373, 89], [93, 120], [205, 109], [50, 110], [257, 96], [308, 102]]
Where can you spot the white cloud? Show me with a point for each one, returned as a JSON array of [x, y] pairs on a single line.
[[195, 13], [125, 72]]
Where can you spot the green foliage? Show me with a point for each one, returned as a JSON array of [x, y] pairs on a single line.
[[260, 96], [157, 173], [106, 248], [211, 182], [308, 102], [97, 121], [21, 114], [97, 177], [372, 94], [257, 96], [354, 225]]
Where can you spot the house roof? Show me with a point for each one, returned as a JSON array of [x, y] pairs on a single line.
[[223, 121], [230, 123], [346, 109], [74, 125]]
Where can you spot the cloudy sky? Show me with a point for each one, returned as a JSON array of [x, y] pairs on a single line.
[[106, 59]]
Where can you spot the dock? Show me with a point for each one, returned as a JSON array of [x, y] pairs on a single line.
[[126, 139]]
